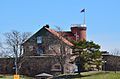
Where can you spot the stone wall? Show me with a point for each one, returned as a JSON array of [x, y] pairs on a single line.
[[7, 66], [34, 65]]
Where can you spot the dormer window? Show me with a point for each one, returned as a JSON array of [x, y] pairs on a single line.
[[39, 39]]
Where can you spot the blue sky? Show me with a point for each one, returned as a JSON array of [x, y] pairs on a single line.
[[102, 17]]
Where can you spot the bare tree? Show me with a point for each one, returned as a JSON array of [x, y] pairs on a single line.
[[3, 51], [115, 59], [14, 40]]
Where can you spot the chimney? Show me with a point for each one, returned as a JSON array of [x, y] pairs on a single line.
[[47, 26], [79, 31]]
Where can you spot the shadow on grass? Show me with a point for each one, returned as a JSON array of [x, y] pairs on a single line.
[[67, 76], [79, 76]]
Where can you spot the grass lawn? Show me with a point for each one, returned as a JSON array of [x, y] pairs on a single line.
[[92, 75], [99, 75]]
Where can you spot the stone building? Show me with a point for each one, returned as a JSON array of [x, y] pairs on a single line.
[[43, 49]]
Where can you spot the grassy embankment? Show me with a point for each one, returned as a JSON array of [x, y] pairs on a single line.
[[94, 75], [100, 75]]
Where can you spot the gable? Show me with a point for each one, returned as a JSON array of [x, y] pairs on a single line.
[[43, 32]]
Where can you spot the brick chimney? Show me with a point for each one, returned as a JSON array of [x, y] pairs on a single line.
[[79, 31]]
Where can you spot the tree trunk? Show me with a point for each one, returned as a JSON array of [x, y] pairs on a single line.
[[62, 69], [79, 69]]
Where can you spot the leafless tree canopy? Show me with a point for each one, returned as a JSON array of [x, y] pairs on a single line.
[[115, 52], [14, 40]]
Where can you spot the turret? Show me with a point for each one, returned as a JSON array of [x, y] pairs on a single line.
[[79, 31]]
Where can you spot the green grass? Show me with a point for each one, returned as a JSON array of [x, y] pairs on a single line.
[[100, 75], [92, 75], [85, 75]]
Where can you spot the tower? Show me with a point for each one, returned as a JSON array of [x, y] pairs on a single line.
[[79, 31]]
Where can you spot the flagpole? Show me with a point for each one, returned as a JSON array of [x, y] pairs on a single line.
[[83, 10], [84, 18]]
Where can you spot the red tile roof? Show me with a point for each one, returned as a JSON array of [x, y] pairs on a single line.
[[58, 35]]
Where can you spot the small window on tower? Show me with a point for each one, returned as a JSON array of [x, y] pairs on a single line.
[[39, 39]]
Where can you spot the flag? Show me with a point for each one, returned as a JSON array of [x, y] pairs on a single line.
[[83, 10]]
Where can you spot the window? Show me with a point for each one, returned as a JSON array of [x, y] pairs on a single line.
[[54, 47], [39, 39], [57, 66], [31, 48], [50, 47], [7, 68], [39, 51]]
